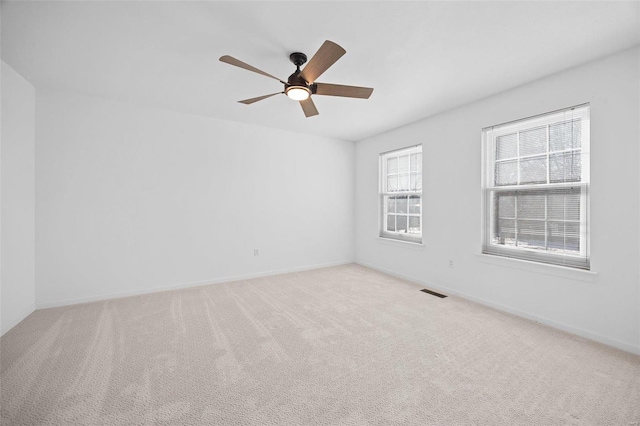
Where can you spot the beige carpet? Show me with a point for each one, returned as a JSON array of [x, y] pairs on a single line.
[[343, 345]]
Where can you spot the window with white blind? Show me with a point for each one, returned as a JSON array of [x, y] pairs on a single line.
[[536, 188], [401, 194]]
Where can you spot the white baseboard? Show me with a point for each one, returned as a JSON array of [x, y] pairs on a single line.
[[96, 298], [15, 320], [627, 347]]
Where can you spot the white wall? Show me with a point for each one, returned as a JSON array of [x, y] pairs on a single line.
[[602, 306], [132, 199], [17, 199]]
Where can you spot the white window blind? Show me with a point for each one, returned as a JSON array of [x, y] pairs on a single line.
[[401, 194], [536, 188]]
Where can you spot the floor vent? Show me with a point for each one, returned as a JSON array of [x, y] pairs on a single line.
[[441, 296]]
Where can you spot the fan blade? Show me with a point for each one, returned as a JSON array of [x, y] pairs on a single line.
[[259, 98], [238, 63], [340, 90], [309, 107], [326, 56]]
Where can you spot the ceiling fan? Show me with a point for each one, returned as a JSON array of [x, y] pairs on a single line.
[[302, 83]]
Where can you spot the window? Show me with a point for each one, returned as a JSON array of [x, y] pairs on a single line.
[[401, 194], [536, 188]]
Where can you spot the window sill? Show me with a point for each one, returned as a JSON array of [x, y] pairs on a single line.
[[401, 243], [539, 268]]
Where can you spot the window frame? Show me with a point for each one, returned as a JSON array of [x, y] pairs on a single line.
[[383, 195], [490, 189]]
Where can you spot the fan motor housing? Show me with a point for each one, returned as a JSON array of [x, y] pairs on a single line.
[[295, 80]]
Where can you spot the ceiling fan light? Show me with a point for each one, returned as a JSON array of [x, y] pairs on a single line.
[[298, 93]]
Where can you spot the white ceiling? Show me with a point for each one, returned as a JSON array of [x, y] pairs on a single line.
[[421, 57]]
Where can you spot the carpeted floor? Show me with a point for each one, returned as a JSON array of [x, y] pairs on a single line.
[[342, 345]]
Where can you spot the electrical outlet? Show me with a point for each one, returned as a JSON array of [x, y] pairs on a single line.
[[450, 263], [256, 252]]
